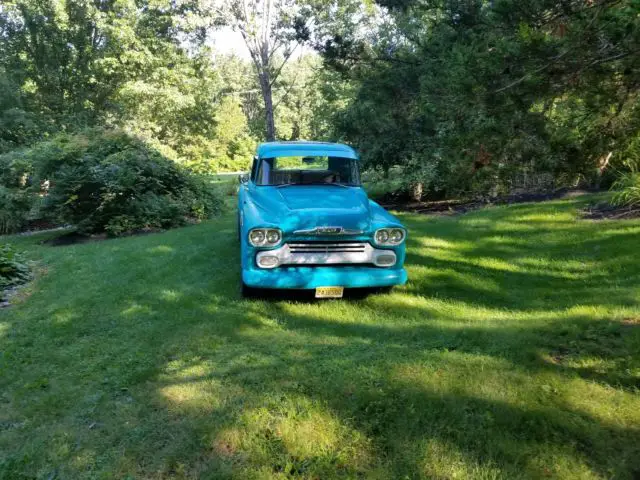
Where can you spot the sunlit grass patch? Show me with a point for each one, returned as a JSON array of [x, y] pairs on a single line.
[[161, 249], [4, 327], [434, 243], [295, 435], [441, 459]]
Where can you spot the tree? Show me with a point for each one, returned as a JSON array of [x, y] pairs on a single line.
[[272, 30], [471, 96], [69, 58], [66, 65]]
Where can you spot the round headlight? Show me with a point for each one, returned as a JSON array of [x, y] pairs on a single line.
[[396, 235], [257, 237], [273, 236], [382, 236]]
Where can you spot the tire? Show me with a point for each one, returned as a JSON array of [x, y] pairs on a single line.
[[382, 290], [246, 291]]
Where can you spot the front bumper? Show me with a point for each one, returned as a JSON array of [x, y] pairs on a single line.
[[323, 276]]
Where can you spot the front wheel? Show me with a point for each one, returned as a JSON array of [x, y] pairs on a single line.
[[383, 290], [247, 291]]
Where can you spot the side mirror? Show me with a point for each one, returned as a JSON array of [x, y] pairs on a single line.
[[244, 178]]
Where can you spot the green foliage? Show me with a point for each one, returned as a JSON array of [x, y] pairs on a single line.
[[627, 190], [66, 66], [627, 185], [17, 126], [110, 181], [16, 169], [15, 208], [18, 197], [304, 110], [467, 98], [230, 147], [182, 107], [13, 268], [378, 184], [471, 97]]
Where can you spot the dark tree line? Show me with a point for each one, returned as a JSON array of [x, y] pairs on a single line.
[[479, 96]]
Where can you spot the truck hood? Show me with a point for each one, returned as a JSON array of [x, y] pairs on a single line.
[[314, 197], [302, 207]]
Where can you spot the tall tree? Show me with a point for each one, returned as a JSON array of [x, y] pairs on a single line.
[[272, 30]]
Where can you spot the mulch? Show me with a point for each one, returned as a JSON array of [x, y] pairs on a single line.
[[75, 238], [458, 207], [606, 211], [39, 225]]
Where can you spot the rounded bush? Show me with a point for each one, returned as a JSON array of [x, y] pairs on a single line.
[[109, 181]]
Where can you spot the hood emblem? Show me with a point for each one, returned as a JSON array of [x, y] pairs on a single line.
[[328, 231]]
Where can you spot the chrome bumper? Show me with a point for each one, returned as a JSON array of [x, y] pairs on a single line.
[[343, 253]]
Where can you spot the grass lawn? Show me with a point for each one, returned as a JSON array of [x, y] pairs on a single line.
[[514, 351]]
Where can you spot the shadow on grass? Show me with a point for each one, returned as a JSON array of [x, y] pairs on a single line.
[[475, 369], [374, 382]]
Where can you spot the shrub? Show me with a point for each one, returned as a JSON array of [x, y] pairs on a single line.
[[110, 181], [13, 269], [627, 190], [17, 197], [15, 207]]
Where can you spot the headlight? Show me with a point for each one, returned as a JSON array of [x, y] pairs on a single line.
[[396, 235], [265, 237], [382, 236], [273, 236], [389, 236]]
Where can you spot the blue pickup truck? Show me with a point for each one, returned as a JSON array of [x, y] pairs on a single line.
[[305, 222]]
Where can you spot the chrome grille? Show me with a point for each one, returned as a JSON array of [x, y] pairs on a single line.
[[318, 253], [326, 247]]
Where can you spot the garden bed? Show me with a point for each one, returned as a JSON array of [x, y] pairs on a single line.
[[74, 238], [606, 211], [458, 207]]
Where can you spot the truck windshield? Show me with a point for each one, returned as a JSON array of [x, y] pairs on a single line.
[[308, 171]]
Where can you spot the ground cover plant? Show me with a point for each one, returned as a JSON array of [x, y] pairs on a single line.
[[627, 190], [513, 352], [13, 268]]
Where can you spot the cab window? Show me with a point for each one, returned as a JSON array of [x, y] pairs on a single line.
[[316, 170]]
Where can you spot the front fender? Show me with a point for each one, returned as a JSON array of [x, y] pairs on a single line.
[[250, 215], [380, 218]]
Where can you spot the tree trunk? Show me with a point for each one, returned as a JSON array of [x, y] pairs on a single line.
[[603, 163], [268, 112], [416, 191], [265, 86], [267, 93]]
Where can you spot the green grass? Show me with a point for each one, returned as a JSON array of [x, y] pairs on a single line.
[[514, 351]]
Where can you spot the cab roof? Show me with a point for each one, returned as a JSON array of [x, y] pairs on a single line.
[[305, 149]]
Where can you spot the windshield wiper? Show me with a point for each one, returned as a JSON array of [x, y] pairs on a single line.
[[315, 184], [328, 183]]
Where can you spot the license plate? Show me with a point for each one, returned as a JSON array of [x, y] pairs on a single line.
[[329, 292]]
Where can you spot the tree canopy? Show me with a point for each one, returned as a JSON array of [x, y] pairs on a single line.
[[461, 97], [472, 95]]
